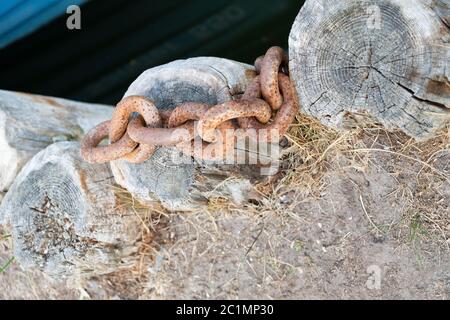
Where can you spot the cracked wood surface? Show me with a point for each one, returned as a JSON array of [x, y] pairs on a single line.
[[65, 216], [29, 123], [388, 58]]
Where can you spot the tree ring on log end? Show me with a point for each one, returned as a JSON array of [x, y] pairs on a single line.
[[65, 216], [382, 57]]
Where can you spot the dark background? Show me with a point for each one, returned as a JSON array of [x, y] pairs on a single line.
[[119, 39]]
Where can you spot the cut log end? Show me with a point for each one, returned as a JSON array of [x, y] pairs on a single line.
[[165, 177], [64, 214], [388, 58]]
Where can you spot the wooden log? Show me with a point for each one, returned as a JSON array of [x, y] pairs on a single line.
[[29, 123], [442, 9], [64, 214], [387, 58], [170, 176]]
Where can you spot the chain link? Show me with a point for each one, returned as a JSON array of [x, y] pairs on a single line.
[[264, 112]]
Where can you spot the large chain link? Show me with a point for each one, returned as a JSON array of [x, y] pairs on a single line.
[[264, 112]]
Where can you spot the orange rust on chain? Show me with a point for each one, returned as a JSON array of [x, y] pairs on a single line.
[[161, 136], [185, 112], [120, 120], [181, 128], [142, 152], [231, 110], [253, 91], [275, 131], [270, 66], [92, 153], [135, 137], [121, 116]]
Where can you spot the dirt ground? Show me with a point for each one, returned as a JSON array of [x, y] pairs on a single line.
[[357, 215]]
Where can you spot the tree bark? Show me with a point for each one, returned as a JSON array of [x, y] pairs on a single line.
[[65, 216], [29, 123], [169, 176], [388, 58]]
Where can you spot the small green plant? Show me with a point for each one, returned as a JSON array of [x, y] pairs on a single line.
[[298, 246], [416, 229], [6, 265], [4, 237]]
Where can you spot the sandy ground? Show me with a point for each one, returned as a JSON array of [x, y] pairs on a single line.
[[349, 223]]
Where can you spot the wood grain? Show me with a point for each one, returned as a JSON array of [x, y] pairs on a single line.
[[387, 58]]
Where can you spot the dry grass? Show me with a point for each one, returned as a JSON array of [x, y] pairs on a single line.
[[5, 239], [422, 173], [130, 279], [315, 149]]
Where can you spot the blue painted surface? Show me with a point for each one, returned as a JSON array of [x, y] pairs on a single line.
[[21, 17]]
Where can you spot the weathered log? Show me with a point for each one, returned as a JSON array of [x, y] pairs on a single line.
[[388, 58], [64, 214], [29, 123], [442, 9], [169, 175]]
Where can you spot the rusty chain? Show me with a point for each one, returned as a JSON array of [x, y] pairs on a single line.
[[267, 108]]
